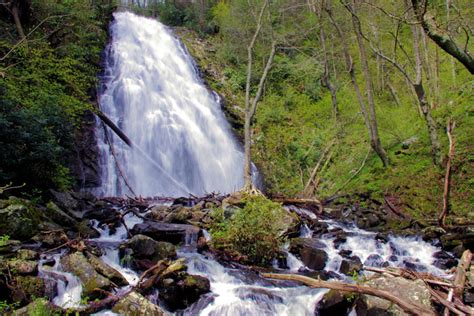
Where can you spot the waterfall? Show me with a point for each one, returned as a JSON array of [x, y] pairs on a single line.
[[152, 91]]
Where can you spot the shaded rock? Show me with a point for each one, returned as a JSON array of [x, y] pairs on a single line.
[[39, 306], [65, 200], [292, 224], [86, 231], [134, 304], [333, 303], [77, 264], [414, 292], [350, 265], [58, 216], [106, 270], [27, 254], [182, 291], [26, 288], [9, 246], [444, 260], [375, 260], [173, 233], [144, 247], [432, 232], [18, 266], [19, 220], [52, 238], [311, 252]]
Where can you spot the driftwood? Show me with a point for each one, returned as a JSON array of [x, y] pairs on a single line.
[[447, 177], [459, 279], [355, 288]]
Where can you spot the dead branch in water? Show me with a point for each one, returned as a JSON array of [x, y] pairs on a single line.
[[355, 288]]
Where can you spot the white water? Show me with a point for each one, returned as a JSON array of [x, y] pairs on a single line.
[[152, 91], [234, 296], [69, 287]]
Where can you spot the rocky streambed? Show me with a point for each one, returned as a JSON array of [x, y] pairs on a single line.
[[152, 257]]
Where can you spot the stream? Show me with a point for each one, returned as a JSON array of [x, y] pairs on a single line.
[[240, 291], [183, 144]]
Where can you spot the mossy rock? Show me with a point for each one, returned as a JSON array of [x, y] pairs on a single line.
[[27, 288], [19, 219], [134, 304], [77, 264]]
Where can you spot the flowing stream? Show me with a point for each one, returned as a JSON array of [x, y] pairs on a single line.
[[182, 144], [152, 91]]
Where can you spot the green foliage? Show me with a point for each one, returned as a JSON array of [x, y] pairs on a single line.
[[45, 88], [252, 231], [294, 122], [3, 240]]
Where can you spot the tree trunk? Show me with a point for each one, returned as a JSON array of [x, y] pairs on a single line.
[[16, 17], [424, 105], [374, 133], [439, 36], [447, 177]]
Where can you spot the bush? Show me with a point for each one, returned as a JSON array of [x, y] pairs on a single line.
[[254, 230]]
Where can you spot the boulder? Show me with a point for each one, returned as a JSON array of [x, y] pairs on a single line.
[[143, 247], [350, 265], [18, 266], [292, 224], [19, 220], [9, 246], [375, 260], [27, 254], [26, 288], [311, 252], [182, 290], [50, 239], [333, 303], [106, 270], [39, 306], [134, 304], [58, 216], [173, 233], [77, 264], [408, 290]]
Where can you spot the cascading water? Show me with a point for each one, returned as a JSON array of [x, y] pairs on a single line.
[[182, 142]]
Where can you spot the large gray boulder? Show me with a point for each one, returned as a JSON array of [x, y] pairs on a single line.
[[414, 292]]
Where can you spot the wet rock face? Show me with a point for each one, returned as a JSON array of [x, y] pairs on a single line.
[[310, 251], [181, 290], [107, 271], [333, 303], [77, 264], [142, 247], [173, 233], [134, 304], [350, 265]]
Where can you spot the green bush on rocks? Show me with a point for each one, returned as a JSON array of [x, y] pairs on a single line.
[[255, 230]]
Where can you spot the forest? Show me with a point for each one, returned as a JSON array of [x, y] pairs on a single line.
[[344, 112]]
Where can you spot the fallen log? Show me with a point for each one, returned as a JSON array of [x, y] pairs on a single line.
[[115, 128], [355, 288], [459, 279], [302, 202]]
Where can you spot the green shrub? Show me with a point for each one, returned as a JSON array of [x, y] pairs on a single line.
[[254, 230]]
